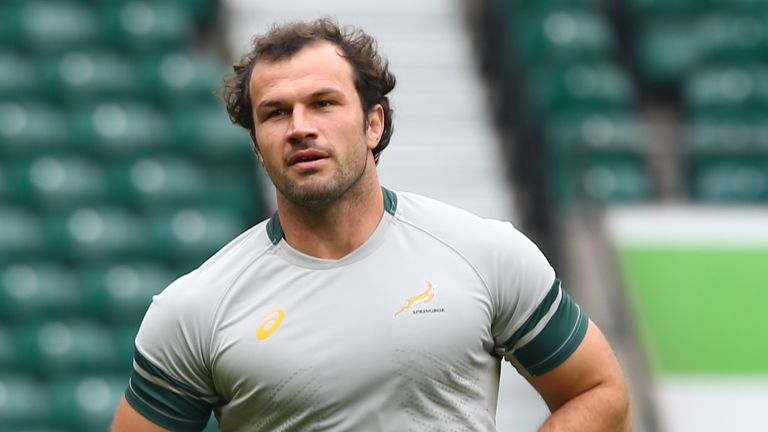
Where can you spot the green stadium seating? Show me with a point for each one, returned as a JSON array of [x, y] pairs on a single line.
[[732, 36], [667, 48], [88, 74], [560, 36], [86, 233], [596, 131], [57, 180], [598, 157], [49, 26], [25, 401], [181, 78], [146, 26], [21, 233], [188, 236], [35, 289], [585, 86], [737, 131], [205, 131], [735, 178], [158, 181], [121, 291], [63, 347], [32, 126], [727, 87], [87, 402], [18, 75], [119, 127], [7, 349], [651, 9]]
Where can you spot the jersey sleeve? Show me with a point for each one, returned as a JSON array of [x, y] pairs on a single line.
[[170, 383], [537, 325]]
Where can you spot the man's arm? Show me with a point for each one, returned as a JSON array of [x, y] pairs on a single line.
[[128, 419], [587, 392]]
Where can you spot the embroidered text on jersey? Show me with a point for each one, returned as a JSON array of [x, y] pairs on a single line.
[[424, 297], [271, 324]]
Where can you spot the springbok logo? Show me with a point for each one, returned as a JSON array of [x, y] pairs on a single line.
[[424, 297], [270, 325]]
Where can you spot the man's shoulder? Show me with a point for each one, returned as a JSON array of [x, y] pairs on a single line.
[[450, 222], [218, 272]]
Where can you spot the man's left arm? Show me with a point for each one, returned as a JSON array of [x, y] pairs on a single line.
[[587, 392]]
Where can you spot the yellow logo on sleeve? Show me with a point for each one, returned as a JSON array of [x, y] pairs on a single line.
[[424, 297], [271, 324]]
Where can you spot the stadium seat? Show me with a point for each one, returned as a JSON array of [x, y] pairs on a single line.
[[728, 178], [146, 26], [603, 178], [57, 180], [35, 289], [187, 236], [66, 346], [18, 75], [25, 401], [49, 26], [31, 126], [595, 131], [7, 349], [121, 291], [87, 402], [560, 36], [88, 74], [728, 36], [87, 233], [732, 132], [583, 86], [598, 156], [21, 233], [205, 131], [666, 49], [120, 127], [724, 88], [651, 9], [181, 78], [158, 180]]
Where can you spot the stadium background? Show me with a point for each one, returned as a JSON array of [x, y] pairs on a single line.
[[628, 138]]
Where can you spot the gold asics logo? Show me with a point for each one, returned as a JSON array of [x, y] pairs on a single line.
[[424, 297], [271, 324]]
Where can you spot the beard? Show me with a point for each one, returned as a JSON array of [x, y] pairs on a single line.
[[316, 192]]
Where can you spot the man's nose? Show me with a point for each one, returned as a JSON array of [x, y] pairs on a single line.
[[301, 126]]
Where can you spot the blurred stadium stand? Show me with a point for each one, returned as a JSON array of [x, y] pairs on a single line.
[[627, 125], [119, 171]]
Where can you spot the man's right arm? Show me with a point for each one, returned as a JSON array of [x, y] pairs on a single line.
[[128, 419]]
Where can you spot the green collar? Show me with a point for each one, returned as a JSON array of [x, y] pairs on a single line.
[[275, 230]]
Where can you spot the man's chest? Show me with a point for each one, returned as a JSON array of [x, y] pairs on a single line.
[[303, 337]]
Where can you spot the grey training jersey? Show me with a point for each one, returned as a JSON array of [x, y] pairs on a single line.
[[405, 333]]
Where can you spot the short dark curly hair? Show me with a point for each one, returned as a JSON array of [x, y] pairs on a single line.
[[373, 80]]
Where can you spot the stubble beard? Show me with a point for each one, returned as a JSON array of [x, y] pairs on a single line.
[[317, 194]]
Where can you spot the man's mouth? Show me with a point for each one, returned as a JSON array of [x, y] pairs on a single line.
[[307, 157]]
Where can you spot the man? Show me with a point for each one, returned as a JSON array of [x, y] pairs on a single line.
[[354, 307]]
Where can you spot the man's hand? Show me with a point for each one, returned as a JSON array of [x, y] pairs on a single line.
[[588, 391]]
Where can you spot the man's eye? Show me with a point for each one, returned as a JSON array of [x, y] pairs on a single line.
[[276, 113], [324, 103]]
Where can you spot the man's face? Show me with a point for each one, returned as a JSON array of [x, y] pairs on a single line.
[[309, 125]]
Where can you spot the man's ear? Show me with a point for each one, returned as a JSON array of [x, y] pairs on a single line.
[[256, 149], [375, 125]]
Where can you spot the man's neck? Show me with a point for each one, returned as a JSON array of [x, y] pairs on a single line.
[[334, 231]]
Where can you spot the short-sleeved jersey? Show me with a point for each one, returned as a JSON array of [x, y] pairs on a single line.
[[407, 332]]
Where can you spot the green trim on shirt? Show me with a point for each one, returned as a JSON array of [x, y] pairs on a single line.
[[165, 407], [276, 233], [557, 340]]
